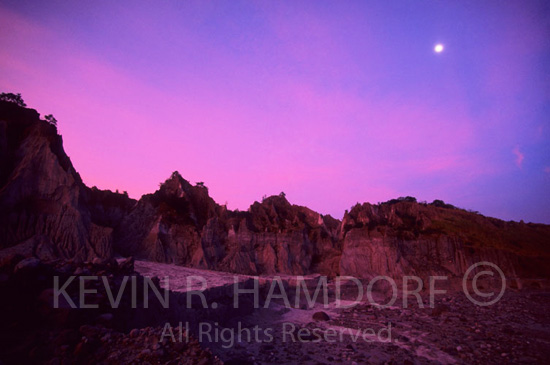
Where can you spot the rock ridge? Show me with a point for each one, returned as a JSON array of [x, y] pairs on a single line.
[[47, 211]]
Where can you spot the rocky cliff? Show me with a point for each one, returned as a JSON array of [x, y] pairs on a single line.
[[47, 211], [409, 238], [181, 224]]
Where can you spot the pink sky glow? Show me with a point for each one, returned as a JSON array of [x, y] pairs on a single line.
[[331, 103]]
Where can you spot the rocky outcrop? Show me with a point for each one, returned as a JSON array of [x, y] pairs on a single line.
[[42, 198], [181, 224], [396, 238], [410, 238], [47, 212], [166, 226]]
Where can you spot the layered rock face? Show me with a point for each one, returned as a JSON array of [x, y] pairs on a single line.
[[410, 238], [43, 202], [181, 224], [47, 211]]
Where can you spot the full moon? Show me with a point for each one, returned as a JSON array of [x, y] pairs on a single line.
[[438, 48]]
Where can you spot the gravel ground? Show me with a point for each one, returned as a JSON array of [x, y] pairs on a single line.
[[514, 330]]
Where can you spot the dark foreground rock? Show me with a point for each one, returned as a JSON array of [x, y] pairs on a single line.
[[515, 330], [453, 330], [36, 331], [320, 316]]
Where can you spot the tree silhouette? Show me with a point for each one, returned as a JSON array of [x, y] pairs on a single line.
[[13, 98], [50, 119]]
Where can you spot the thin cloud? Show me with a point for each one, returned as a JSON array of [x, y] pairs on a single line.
[[519, 156]]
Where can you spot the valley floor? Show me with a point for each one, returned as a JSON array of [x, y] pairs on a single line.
[[514, 330]]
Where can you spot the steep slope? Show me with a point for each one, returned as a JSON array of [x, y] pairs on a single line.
[[47, 211], [43, 202], [166, 226], [409, 238], [181, 224]]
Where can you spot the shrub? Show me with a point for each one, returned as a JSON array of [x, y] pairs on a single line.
[[13, 98], [50, 119], [409, 199], [441, 204]]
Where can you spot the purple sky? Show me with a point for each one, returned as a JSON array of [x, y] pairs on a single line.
[[331, 102]]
